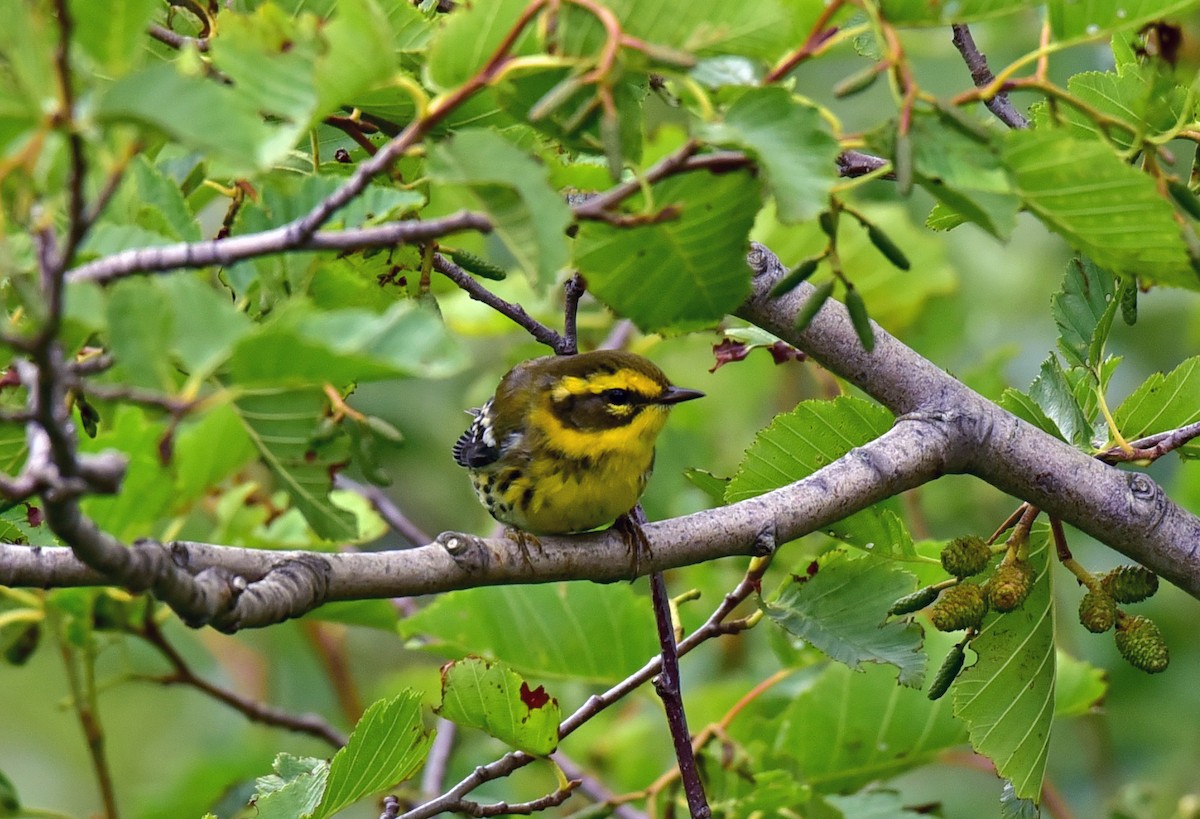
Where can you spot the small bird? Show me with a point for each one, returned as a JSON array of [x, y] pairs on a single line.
[[567, 442]]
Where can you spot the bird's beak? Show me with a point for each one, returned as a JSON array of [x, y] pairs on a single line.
[[675, 395]]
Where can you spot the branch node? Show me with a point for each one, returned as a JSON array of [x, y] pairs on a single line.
[[468, 551]]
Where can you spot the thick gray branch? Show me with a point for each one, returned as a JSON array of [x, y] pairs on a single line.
[[1124, 510], [942, 426]]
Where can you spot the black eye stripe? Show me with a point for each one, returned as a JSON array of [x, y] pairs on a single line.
[[619, 396]]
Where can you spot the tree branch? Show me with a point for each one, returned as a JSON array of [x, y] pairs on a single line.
[[941, 426], [280, 239], [982, 76]]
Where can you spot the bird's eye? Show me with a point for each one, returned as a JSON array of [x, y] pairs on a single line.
[[618, 396]]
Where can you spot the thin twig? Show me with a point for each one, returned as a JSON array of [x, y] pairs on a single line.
[[238, 248], [1000, 105], [83, 697], [174, 40], [1152, 447], [595, 790], [573, 292], [811, 45], [550, 800], [714, 626], [667, 685], [254, 711], [433, 777], [515, 312], [392, 514]]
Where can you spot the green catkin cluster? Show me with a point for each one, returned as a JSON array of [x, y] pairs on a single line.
[[1009, 586], [965, 556], [1130, 584], [959, 607], [1141, 643], [1097, 611]]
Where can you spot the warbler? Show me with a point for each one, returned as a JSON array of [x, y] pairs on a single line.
[[567, 442]]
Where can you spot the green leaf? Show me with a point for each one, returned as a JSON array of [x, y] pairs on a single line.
[[791, 143], [139, 322], [1163, 402], [530, 218], [1107, 210], [293, 791], [1027, 409], [205, 324], [147, 493], [843, 611], [388, 745], [302, 346], [201, 114], [1055, 395], [920, 13], [848, 729], [269, 56], [1144, 97], [814, 435], [209, 449], [114, 33], [964, 174], [599, 634], [1094, 19], [1083, 310], [468, 38], [1079, 687], [682, 272], [494, 699], [1007, 697], [280, 423], [358, 56]]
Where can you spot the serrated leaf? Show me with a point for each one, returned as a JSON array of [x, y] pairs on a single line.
[[1163, 402], [494, 699], [1107, 210], [813, 435], [683, 272], [583, 631], [790, 141], [280, 423], [1083, 310], [843, 611], [1079, 687], [1007, 697], [388, 745], [1055, 395], [530, 218], [849, 728], [294, 790], [1143, 97], [1094, 19]]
